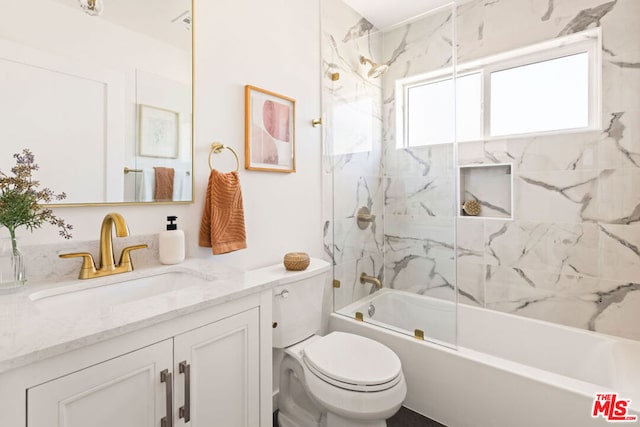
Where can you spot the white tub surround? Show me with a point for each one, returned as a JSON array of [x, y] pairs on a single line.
[[405, 312], [507, 370]]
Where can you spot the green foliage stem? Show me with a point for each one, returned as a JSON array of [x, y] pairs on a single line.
[[21, 200]]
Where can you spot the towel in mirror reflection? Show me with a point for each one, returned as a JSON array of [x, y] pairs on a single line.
[[146, 186]]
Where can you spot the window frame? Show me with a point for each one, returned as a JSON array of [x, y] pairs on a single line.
[[588, 41]]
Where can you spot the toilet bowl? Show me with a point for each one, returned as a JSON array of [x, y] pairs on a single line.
[[351, 381], [336, 380]]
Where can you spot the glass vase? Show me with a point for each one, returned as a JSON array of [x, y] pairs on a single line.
[[12, 271]]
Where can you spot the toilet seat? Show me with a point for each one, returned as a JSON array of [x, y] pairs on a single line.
[[353, 387], [378, 405], [353, 362]]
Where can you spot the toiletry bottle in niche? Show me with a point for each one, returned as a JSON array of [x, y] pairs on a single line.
[[171, 243]]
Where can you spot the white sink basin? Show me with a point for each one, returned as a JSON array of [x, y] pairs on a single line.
[[115, 290]]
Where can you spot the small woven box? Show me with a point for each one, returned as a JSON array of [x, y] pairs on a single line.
[[296, 261]]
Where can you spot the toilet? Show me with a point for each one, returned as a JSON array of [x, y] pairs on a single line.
[[336, 380]]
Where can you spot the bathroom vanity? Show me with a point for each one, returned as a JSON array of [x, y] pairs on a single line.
[[163, 346]]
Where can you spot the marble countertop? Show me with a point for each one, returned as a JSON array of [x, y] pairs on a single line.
[[33, 329]]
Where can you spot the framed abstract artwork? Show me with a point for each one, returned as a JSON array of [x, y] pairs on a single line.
[[159, 133], [270, 132]]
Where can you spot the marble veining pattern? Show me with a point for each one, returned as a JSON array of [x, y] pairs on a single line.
[[37, 329], [51, 267], [352, 115], [571, 253], [587, 18]]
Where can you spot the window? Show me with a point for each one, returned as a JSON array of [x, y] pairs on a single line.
[[431, 111], [549, 87], [543, 96]]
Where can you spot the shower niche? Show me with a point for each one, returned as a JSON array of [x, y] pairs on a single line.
[[486, 191]]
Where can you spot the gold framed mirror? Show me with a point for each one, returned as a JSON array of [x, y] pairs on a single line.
[[101, 91]]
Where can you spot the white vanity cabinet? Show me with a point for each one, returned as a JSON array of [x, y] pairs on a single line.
[[217, 378], [210, 367], [125, 392]]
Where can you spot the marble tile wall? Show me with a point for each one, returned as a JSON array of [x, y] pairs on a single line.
[[571, 252], [570, 255], [420, 186], [352, 129]]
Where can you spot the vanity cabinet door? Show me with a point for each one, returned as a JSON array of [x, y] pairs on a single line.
[[126, 392], [222, 363]]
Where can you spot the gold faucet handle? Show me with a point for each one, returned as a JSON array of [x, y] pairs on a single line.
[[366, 217], [88, 265], [125, 256]]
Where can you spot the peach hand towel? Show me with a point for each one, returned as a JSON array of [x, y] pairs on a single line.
[[164, 184], [222, 227]]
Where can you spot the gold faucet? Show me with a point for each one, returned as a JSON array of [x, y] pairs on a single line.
[[377, 285], [107, 259]]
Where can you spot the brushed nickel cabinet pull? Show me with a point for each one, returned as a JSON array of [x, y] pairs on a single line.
[[166, 377], [185, 411]]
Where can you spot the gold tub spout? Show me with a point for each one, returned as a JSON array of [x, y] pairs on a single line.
[[377, 285], [108, 265]]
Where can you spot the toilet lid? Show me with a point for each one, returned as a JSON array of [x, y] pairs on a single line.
[[353, 362]]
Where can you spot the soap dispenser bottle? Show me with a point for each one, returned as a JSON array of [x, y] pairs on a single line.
[[171, 243]]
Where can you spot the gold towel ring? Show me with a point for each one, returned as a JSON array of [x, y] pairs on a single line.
[[216, 148]]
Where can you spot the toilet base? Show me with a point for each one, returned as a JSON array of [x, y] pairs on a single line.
[[298, 409], [285, 420], [333, 420]]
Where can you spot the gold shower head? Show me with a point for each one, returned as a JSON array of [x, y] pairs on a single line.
[[376, 69]]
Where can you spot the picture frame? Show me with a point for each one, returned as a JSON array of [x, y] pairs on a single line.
[[159, 132], [270, 133]]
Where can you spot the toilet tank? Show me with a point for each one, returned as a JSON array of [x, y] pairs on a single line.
[[297, 303]]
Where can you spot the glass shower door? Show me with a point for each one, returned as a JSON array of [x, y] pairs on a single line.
[[420, 209], [389, 111]]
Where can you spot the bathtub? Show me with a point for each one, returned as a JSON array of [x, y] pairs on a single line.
[[506, 370]]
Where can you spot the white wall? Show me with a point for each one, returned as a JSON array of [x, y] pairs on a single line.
[[273, 44]]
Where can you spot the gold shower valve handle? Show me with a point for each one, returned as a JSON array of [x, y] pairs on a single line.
[[364, 217]]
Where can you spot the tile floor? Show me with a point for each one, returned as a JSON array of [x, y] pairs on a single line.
[[404, 418], [407, 418]]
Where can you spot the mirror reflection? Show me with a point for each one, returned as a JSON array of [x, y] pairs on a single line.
[[101, 92]]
